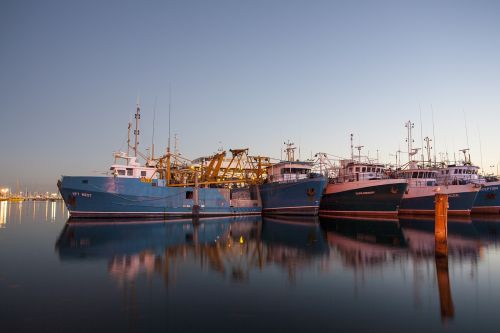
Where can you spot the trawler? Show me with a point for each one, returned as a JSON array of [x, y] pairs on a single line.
[[464, 172], [361, 188], [166, 186], [423, 186], [291, 188]]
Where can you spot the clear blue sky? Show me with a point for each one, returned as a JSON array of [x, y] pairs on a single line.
[[243, 74]]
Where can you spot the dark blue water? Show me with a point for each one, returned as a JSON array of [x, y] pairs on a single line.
[[244, 274]]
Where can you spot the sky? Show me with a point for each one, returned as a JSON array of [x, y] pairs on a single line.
[[243, 74]]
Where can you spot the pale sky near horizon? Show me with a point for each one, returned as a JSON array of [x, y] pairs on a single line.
[[243, 74]]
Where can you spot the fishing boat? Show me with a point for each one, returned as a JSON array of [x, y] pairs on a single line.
[[423, 187], [361, 188], [291, 188], [464, 172], [488, 198], [165, 186]]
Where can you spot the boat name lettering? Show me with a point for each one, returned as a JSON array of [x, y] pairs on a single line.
[[82, 194], [491, 188], [365, 193]]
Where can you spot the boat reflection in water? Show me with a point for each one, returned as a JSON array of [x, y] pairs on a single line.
[[365, 242], [155, 246], [231, 246], [294, 243], [198, 257], [463, 238], [488, 228], [372, 243], [463, 245]]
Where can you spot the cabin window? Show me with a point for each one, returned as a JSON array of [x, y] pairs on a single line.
[[357, 169], [350, 169], [121, 172], [447, 172], [111, 168], [143, 173], [363, 169], [456, 171], [189, 194], [293, 171], [130, 172], [415, 175]]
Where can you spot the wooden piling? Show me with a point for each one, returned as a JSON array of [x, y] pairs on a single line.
[[441, 224], [196, 204]]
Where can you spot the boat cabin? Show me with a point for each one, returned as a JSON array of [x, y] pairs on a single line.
[[130, 168], [289, 171], [419, 177], [350, 171], [458, 174]]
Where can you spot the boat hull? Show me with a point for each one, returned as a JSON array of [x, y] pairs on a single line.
[[370, 198], [488, 199], [421, 200], [131, 197], [300, 197]]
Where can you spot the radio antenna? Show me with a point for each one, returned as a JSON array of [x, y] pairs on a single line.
[[169, 112], [153, 135], [433, 135], [466, 133], [136, 131]]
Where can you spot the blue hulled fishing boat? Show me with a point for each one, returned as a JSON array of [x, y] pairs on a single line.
[[166, 186], [291, 187], [464, 172]]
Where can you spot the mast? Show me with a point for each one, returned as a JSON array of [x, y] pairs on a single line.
[[409, 125], [136, 131], [352, 147], [433, 135], [128, 141], [289, 151], [153, 135], [359, 152], [428, 148], [421, 134], [169, 176]]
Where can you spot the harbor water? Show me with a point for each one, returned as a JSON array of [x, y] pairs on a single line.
[[244, 274]]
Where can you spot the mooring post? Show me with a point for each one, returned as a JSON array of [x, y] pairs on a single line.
[[441, 224], [441, 254], [196, 204]]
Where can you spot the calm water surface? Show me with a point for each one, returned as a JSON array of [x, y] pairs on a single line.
[[244, 274]]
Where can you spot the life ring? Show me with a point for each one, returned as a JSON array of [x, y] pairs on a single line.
[[311, 191]]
